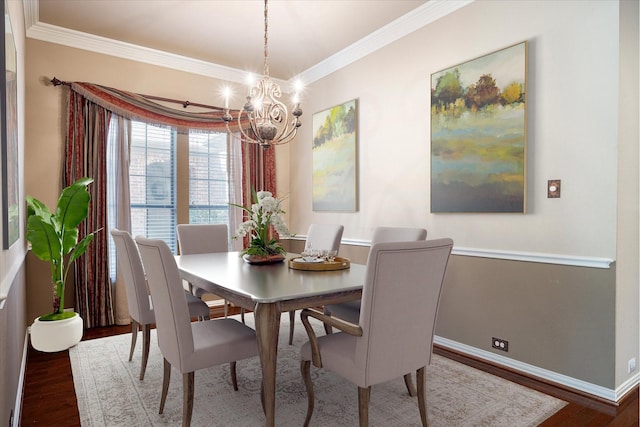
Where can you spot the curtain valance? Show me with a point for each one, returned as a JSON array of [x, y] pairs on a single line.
[[137, 107]]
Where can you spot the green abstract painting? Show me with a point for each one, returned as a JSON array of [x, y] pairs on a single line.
[[334, 160], [478, 134]]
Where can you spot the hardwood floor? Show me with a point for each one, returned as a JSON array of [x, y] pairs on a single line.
[[49, 396], [582, 410]]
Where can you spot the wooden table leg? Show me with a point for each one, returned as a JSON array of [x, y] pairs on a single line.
[[267, 319]]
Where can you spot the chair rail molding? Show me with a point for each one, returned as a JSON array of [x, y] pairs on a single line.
[[543, 258], [578, 261]]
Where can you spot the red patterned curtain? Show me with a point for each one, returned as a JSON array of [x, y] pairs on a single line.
[[85, 155], [252, 156]]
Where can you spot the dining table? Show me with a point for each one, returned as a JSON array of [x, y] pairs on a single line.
[[270, 290]]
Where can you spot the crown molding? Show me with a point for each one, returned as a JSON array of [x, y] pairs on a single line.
[[406, 24], [76, 39], [31, 12], [395, 30]]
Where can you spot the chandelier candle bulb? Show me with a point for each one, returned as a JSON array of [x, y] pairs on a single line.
[[250, 83], [227, 93]]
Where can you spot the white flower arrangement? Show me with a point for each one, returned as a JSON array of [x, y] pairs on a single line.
[[264, 213]]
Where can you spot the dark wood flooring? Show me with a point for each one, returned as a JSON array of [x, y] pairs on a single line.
[[49, 397]]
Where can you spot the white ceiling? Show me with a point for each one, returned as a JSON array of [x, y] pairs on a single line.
[[303, 36]]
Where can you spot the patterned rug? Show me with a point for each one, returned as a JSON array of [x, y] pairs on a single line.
[[110, 394]]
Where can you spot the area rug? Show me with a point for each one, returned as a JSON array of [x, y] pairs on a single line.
[[109, 392]]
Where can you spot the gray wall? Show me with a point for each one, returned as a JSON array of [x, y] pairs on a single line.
[[551, 315], [12, 336]]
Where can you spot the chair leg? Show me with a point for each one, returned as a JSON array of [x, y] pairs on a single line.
[[146, 342], [292, 322], [327, 328], [226, 308], [421, 396], [188, 384], [166, 377], [409, 383], [234, 376], [363, 405], [242, 315], [305, 370], [134, 337], [264, 411]]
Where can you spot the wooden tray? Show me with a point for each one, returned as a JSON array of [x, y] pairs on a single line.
[[338, 264]]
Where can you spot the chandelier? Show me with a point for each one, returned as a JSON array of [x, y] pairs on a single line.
[[267, 117]]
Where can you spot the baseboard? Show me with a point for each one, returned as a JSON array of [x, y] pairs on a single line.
[[609, 395], [17, 409]]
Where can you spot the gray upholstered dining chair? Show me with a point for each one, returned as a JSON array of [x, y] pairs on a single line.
[[138, 299], [394, 332], [203, 239], [320, 236], [350, 311], [184, 345]]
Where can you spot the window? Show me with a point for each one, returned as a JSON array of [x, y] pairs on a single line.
[[208, 178], [152, 182]]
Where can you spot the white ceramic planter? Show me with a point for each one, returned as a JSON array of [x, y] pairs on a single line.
[[56, 335]]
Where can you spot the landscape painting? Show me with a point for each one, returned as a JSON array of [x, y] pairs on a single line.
[[478, 134], [334, 166]]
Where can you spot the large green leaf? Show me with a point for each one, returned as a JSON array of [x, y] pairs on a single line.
[[69, 239], [82, 247], [73, 208], [36, 207], [45, 242]]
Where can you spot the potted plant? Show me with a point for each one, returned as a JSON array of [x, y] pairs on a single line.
[[54, 238], [265, 214]]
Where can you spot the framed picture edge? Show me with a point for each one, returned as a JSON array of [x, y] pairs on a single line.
[[9, 235]]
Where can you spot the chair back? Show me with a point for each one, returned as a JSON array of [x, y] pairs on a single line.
[[397, 234], [325, 236], [399, 307], [202, 238], [132, 272], [173, 322]]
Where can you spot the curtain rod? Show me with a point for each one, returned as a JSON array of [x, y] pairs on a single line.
[[57, 82]]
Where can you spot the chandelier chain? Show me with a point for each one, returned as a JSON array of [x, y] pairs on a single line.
[[266, 40]]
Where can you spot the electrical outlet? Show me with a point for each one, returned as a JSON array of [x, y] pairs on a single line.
[[631, 365], [500, 344]]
